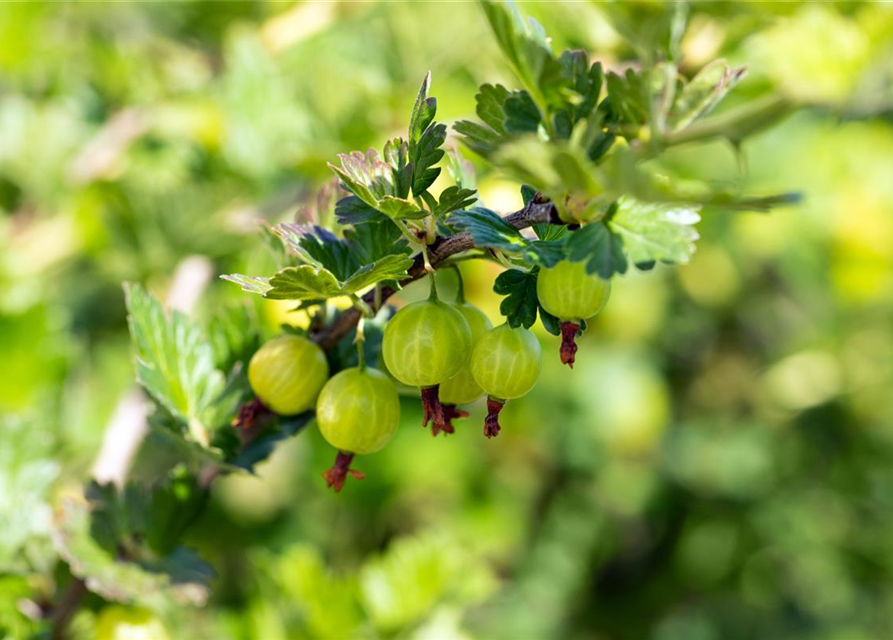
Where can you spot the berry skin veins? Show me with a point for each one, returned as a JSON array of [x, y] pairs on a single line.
[[358, 411], [287, 373], [506, 363]]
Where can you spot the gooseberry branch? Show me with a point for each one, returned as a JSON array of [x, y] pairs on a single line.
[[537, 211]]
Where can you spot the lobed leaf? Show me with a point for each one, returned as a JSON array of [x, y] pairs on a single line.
[[174, 361], [654, 231], [521, 302], [600, 248]]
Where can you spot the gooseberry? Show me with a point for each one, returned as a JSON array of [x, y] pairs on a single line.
[[572, 295], [506, 363], [129, 623], [357, 412], [425, 344], [461, 388], [287, 373]]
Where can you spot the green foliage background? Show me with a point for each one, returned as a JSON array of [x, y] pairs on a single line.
[[717, 465]]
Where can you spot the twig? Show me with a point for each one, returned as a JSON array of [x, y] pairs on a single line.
[[535, 212]]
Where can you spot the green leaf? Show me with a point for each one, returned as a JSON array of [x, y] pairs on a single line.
[[477, 137], [318, 247], [424, 155], [491, 106], [400, 208], [233, 335], [452, 199], [352, 210], [405, 585], [391, 267], [461, 171], [661, 87], [396, 154], [654, 231], [423, 112], [372, 241], [629, 101], [550, 322], [303, 283], [261, 447], [521, 303], [367, 176], [129, 571], [174, 361], [599, 248], [521, 114], [527, 49], [703, 92]]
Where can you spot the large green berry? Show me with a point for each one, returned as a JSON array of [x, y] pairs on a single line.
[[129, 623], [506, 362], [569, 293], [461, 388], [426, 343], [358, 410], [287, 373]]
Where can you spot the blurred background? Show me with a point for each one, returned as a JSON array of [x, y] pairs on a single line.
[[718, 465]]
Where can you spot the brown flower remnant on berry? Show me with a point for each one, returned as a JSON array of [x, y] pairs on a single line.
[[569, 332], [251, 419], [442, 414], [336, 476], [491, 422]]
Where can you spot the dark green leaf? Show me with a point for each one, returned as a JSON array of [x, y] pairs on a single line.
[[424, 155], [491, 106], [423, 112], [396, 154], [521, 114], [128, 571], [318, 247], [520, 305], [599, 248], [452, 199], [375, 240], [352, 210], [550, 322], [260, 448]]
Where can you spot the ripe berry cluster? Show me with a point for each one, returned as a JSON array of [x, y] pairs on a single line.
[[451, 352]]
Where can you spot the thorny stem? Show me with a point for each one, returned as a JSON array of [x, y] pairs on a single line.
[[534, 212]]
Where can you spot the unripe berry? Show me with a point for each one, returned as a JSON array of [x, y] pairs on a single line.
[[461, 388], [572, 295], [426, 343], [287, 373], [506, 364]]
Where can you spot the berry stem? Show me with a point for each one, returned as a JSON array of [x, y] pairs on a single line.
[[336, 476], [360, 341], [460, 285], [491, 422], [569, 332]]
